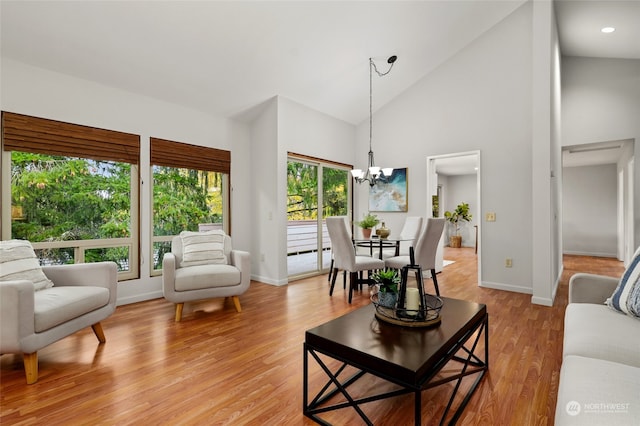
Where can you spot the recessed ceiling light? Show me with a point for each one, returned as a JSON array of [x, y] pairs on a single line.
[[608, 30]]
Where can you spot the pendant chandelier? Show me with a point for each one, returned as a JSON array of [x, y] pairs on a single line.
[[373, 174]]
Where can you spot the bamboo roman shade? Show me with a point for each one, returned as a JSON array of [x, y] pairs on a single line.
[[177, 154], [43, 136]]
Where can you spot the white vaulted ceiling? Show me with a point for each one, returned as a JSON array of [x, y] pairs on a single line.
[[226, 57]]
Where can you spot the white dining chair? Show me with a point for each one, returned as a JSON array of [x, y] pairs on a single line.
[[424, 252], [344, 255]]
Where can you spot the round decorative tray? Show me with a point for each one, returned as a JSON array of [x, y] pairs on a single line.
[[426, 316]]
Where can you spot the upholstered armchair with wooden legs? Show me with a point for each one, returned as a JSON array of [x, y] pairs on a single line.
[[203, 265], [74, 297]]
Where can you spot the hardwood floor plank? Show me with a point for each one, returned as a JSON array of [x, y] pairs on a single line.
[[222, 367]]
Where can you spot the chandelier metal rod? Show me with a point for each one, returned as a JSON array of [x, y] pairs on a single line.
[[373, 174]]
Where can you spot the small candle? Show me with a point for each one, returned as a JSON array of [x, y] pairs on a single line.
[[413, 300]]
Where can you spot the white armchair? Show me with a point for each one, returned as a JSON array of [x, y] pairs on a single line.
[[82, 295], [184, 280]]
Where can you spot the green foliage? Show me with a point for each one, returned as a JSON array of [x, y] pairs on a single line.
[[302, 191], [69, 198], [461, 213], [388, 279], [368, 221], [183, 198], [64, 199]]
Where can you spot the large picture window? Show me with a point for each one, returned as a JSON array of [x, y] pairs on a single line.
[[73, 191], [190, 192]]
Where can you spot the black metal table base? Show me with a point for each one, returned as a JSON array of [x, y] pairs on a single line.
[[471, 364]]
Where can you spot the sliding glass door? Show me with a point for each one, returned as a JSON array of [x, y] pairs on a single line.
[[315, 190]]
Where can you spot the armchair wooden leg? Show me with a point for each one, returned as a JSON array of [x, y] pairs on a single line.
[[179, 307], [97, 329], [236, 302], [31, 367]]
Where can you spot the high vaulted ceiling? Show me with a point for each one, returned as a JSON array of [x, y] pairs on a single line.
[[227, 57]]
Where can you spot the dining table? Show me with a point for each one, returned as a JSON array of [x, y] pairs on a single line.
[[378, 243]]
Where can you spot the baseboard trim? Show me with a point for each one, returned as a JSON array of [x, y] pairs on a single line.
[[586, 253], [541, 301], [139, 298], [269, 281], [506, 287]]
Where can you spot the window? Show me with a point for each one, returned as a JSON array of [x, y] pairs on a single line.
[[190, 192], [73, 191]]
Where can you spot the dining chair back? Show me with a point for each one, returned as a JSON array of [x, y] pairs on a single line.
[[424, 252], [409, 235], [344, 255]]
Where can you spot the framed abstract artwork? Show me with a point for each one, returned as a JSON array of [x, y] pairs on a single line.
[[390, 196]]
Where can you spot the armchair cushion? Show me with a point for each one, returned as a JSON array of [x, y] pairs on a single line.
[[206, 276], [57, 305], [18, 261], [626, 296], [203, 248]]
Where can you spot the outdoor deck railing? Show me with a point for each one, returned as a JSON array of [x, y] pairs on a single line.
[[302, 236]]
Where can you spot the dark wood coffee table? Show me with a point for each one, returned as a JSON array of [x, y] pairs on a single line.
[[406, 356]]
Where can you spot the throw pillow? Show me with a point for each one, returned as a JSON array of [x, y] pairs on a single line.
[[626, 297], [18, 261], [203, 248]]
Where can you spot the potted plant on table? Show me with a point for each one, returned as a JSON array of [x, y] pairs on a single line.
[[368, 222], [461, 213], [387, 282]]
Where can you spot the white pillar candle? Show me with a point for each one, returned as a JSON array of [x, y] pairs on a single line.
[[413, 300]]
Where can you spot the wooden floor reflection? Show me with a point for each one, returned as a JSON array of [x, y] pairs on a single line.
[[220, 367]]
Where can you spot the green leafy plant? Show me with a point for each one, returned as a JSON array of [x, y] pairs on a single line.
[[461, 213], [368, 221], [388, 280]]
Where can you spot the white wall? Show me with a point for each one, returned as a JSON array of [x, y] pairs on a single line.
[[287, 127], [545, 155], [590, 210], [42, 93], [264, 205], [481, 99], [601, 102]]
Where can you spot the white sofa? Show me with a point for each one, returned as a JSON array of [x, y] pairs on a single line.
[[600, 374]]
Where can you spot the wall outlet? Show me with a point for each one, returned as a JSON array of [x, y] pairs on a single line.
[[490, 217], [261, 257], [508, 262]]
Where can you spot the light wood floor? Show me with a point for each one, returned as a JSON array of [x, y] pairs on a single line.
[[219, 367]]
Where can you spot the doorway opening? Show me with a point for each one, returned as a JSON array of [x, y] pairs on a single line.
[[597, 199], [453, 179], [315, 189]]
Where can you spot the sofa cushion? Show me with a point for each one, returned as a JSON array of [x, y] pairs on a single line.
[[57, 305], [596, 331], [203, 248], [18, 261], [597, 392], [206, 276], [626, 296]]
